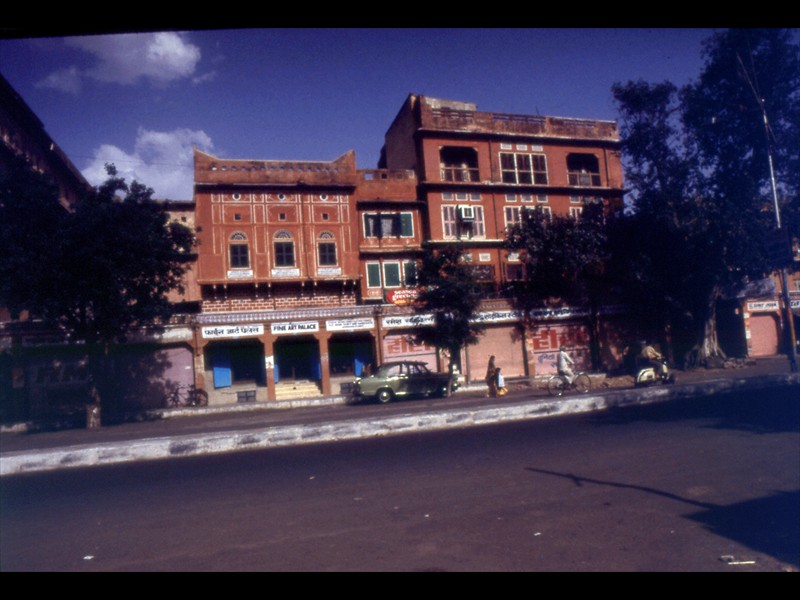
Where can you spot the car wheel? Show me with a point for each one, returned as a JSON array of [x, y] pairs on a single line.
[[385, 396]]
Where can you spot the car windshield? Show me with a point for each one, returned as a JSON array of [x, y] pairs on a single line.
[[395, 369]]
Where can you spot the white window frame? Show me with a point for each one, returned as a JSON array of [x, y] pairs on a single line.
[[380, 274], [449, 222], [513, 215], [392, 263]]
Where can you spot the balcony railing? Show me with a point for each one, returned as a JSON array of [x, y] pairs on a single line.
[[584, 179], [459, 174]]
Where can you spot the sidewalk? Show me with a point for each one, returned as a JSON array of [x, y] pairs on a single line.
[[195, 432]]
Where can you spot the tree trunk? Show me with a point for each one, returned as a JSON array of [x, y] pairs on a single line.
[[99, 372], [708, 346]]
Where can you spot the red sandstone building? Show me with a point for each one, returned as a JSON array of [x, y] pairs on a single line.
[[304, 267]]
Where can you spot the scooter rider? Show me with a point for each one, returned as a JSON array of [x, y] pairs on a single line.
[[650, 356]]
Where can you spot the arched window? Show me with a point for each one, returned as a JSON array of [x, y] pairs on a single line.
[[239, 251], [326, 249], [284, 249]]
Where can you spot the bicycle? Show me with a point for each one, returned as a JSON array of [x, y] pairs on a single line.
[[558, 385], [186, 395]]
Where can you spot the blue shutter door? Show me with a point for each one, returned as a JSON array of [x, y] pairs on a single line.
[[221, 365]]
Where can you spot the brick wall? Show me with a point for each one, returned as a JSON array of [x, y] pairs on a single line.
[[244, 299]]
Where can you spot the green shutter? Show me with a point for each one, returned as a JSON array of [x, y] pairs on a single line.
[[391, 274], [406, 225], [373, 275]]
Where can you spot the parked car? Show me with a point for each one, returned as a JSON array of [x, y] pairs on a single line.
[[403, 379]]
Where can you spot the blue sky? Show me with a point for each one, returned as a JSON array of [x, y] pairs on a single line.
[[143, 100]]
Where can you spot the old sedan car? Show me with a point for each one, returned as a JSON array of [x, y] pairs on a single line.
[[402, 379]]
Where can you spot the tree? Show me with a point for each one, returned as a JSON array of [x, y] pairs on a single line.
[[449, 291], [697, 163], [564, 259], [99, 270]]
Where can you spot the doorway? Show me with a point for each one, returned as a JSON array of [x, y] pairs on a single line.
[[297, 359]]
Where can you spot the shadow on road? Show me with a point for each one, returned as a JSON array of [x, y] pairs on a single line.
[[768, 525], [765, 411]]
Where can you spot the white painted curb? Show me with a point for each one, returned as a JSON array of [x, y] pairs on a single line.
[[12, 463]]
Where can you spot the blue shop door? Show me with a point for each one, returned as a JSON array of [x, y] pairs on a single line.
[[221, 365]]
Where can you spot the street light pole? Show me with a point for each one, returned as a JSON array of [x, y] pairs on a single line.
[[787, 307]]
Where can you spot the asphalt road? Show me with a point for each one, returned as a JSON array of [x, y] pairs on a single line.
[[707, 485], [240, 428]]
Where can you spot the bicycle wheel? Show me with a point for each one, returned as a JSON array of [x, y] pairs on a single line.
[[199, 397], [556, 385], [173, 400], [582, 383]]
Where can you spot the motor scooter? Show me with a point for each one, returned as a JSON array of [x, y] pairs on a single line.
[[647, 375]]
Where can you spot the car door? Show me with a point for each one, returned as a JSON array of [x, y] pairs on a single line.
[[422, 380], [399, 379]]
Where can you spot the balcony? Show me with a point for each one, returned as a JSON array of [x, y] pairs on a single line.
[[459, 174], [582, 179]]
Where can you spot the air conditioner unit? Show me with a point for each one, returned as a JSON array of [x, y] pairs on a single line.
[[467, 213]]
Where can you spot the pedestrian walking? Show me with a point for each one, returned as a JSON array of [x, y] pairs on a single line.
[[502, 390], [491, 378]]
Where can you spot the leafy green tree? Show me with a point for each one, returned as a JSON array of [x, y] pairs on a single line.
[[95, 272], [449, 290], [564, 260], [698, 165]]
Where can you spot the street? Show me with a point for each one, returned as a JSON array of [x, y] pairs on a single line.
[[696, 485]]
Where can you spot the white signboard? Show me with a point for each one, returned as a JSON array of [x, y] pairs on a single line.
[[350, 324], [232, 331], [496, 316], [559, 313], [286, 272], [407, 321], [761, 306], [241, 274], [295, 328]]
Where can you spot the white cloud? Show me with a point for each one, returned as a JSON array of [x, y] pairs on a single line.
[[65, 80], [162, 160], [126, 59]]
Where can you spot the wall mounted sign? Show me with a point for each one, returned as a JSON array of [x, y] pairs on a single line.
[[240, 274], [232, 331], [355, 324], [294, 328], [762, 306]]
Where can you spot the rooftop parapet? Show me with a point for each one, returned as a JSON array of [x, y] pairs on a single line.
[[435, 115], [387, 184], [210, 169]]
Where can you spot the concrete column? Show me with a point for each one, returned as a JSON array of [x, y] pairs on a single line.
[[530, 356], [268, 340], [198, 346], [325, 363]]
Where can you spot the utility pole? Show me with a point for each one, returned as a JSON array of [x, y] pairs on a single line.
[[787, 306]]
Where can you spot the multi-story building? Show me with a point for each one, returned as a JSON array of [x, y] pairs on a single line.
[[478, 171], [306, 268]]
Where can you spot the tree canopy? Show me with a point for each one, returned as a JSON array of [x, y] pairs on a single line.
[[95, 271], [564, 260], [450, 292], [698, 165]]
